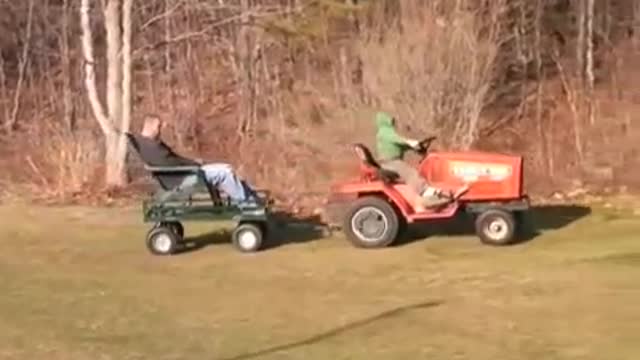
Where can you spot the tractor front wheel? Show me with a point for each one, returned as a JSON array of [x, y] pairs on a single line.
[[496, 227], [371, 222]]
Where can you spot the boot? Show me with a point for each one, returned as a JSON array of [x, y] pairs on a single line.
[[419, 207]]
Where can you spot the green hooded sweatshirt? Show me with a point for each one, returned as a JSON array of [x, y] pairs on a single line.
[[390, 145]]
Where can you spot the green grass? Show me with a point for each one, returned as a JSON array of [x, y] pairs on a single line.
[[79, 284]]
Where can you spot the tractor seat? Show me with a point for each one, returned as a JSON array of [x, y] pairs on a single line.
[[370, 168]]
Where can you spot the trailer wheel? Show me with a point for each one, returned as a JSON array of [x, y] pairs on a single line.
[[162, 240], [371, 222], [175, 226], [247, 237], [496, 227]]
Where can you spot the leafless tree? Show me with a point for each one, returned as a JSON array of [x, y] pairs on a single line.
[[67, 72], [589, 68], [581, 41], [12, 121], [116, 120], [636, 22]]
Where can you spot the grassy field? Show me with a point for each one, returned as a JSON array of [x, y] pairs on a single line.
[[78, 283]]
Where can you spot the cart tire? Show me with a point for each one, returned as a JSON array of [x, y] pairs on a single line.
[[176, 227], [371, 223], [496, 227], [162, 240], [247, 237]]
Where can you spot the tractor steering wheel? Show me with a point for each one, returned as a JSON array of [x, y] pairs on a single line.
[[425, 144]]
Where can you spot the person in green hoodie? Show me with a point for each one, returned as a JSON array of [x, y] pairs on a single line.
[[391, 148]]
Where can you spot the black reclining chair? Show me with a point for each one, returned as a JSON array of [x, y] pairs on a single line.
[[172, 180]]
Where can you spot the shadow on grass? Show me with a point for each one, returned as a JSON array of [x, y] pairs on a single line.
[[532, 223], [284, 229], [336, 332]]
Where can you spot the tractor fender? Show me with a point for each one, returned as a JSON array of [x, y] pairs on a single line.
[[379, 188], [339, 201]]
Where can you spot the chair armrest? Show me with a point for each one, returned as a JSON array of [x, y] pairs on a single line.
[[172, 169]]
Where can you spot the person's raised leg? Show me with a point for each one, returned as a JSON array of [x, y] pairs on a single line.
[[412, 178], [222, 176], [428, 196]]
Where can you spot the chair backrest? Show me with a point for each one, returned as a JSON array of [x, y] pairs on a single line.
[[167, 181], [371, 169], [365, 156]]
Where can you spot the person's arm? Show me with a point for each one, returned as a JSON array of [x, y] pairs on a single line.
[[392, 136], [177, 160]]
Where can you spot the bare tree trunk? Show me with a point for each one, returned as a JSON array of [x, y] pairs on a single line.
[[606, 19], [127, 65], [244, 61], [67, 73], [115, 175], [167, 38], [580, 46], [127, 87], [544, 152], [572, 102], [89, 70], [117, 120], [589, 59], [3, 90], [520, 47], [24, 62], [114, 69], [168, 63], [353, 17], [636, 23]]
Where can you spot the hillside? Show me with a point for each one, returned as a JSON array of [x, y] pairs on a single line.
[[279, 88]]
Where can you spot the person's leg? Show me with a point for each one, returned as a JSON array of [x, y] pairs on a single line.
[[222, 176], [411, 177], [407, 173], [428, 196]]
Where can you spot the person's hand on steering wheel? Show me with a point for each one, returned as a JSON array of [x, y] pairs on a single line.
[[425, 144], [414, 143]]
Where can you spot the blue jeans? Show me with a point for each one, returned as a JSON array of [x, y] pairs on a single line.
[[223, 177]]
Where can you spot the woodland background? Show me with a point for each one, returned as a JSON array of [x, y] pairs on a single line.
[[279, 88]]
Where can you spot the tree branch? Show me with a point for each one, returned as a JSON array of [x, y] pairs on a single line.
[[159, 17]]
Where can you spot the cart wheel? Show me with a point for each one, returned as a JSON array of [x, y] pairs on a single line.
[[371, 223], [162, 240], [496, 227], [176, 227], [247, 237]]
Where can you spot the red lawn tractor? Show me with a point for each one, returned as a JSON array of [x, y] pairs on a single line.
[[374, 209]]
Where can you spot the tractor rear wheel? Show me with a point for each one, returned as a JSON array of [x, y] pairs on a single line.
[[371, 222], [496, 227]]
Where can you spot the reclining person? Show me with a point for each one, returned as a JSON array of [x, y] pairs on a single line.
[[220, 175], [391, 148]]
